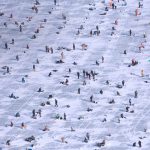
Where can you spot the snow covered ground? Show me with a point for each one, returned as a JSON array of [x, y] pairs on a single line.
[[116, 115]]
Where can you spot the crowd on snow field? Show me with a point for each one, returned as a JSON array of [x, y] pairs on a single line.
[[84, 75]]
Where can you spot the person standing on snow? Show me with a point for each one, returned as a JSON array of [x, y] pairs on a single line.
[[40, 112], [33, 67], [140, 143], [142, 73], [91, 98], [13, 41], [130, 32], [8, 70], [56, 103], [6, 46], [64, 116], [74, 46], [55, 2], [102, 59], [33, 113], [17, 57], [135, 94], [62, 55], [20, 28], [23, 80], [78, 75], [78, 90]]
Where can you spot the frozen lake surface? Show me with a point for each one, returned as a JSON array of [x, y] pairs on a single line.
[[74, 75]]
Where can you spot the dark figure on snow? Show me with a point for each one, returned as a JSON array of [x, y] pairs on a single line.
[[5, 24], [118, 93], [17, 58], [140, 143], [84, 82], [104, 120], [97, 63], [74, 46], [13, 41], [37, 61], [98, 32], [51, 49], [33, 113], [78, 75], [140, 5], [55, 2], [11, 124], [69, 70], [97, 28], [102, 59], [91, 33], [27, 46], [102, 143], [40, 90], [123, 82], [56, 103], [11, 15], [113, 6], [40, 112], [23, 80], [36, 9], [13, 96], [107, 82], [37, 2], [127, 109], [8, 70], [135, 94], [50, 96], [112, 101], [134, 144], [17, 114], [22, 125], [78, 90], [113, 28], [72, 129], [34, 36], [101, 91], [91, 98], [47, 49], [20, 28], [64, 116], [33, 67], [130, 32], [125, 52], [122, 116], [130, 102], [6, 46], [84, 73], [106, 8], [49, 74], [85, 140], [8, 142], [66, 82]]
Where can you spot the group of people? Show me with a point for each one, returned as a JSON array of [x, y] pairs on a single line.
[[83, 77]]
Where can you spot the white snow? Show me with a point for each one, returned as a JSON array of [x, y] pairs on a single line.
[[60, 30]]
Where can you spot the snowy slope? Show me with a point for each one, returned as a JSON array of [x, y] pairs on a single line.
[[61, 25]]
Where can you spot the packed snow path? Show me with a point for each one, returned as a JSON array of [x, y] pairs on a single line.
[[42, 45]]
